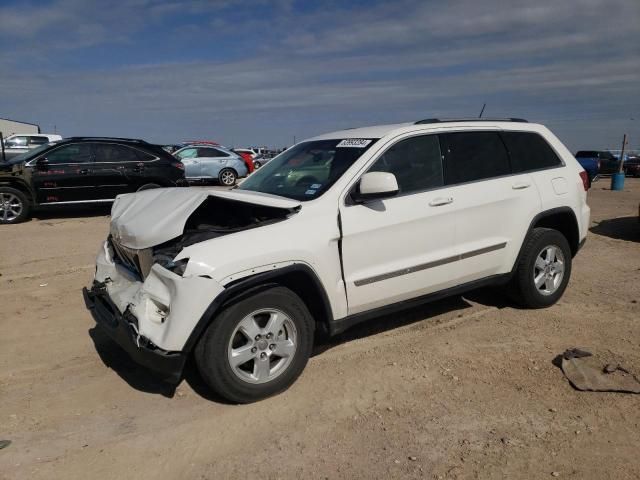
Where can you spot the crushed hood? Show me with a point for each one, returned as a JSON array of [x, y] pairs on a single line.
[[151, 217]]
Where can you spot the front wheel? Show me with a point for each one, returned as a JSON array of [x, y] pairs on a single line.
[[543, 270], [14, 205], [257, 165], [227, 177], [256, 347]]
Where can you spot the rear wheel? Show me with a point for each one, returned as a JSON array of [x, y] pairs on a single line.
[[14, 205], [227, 177], [257, 164], [543, 270], [257, 347]]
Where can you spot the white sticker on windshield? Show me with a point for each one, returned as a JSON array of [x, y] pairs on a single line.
[[315, 185], [310, 192], [354, 143]]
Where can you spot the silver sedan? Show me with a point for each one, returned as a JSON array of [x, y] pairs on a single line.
[[205, 162]]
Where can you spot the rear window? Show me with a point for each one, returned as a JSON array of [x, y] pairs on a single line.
[[586, 154], [471, 156], [529, 151]]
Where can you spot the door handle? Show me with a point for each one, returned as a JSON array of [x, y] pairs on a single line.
[[436, 202], [84, 171], [520, 186]]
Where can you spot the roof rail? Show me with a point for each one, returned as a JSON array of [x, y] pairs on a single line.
[[134, 140], [449, 120]]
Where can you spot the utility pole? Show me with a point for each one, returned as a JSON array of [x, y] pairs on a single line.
[[624, 144]]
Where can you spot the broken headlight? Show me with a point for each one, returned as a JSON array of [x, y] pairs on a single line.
[[176, 266]]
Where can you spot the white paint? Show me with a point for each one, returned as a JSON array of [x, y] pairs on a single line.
[[378, 237]]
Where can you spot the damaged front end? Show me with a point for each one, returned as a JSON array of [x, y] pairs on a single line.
[[148, 298]]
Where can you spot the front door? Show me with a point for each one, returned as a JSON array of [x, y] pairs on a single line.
[[401, 247], [63, 174], [191, 162]]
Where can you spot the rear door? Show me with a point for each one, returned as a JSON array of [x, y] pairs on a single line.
[[401, 247], [212, 160], [63, 174], [493, 206], [115, 171]]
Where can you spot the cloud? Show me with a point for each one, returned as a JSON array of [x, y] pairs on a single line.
[[248, 72]]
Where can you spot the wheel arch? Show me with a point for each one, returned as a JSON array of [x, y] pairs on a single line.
[[299, 278], [18, 185], [562, 219]]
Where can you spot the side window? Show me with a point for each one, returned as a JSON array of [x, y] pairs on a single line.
[[188, 153], [210, 152], [144, 156], [74, 153], [529, 151], [16, 142], [471, 156], [38, 140], [114, 153], [416, 163]]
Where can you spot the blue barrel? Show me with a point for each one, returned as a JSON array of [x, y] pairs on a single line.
[[617, 181]]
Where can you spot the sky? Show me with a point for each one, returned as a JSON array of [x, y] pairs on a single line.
[[259, 72]]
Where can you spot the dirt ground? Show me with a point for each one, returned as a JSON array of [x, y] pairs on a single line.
[[462, 388]]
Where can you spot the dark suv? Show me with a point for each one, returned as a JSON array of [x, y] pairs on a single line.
[[83, 170]]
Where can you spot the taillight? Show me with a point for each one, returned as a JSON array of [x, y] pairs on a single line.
[[585, 180], [179, 165]]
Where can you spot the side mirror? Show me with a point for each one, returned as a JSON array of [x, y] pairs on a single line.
[[376, 185]]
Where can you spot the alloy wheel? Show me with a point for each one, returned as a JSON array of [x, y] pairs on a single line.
[[262, 346], [548, 270], [10, 207], [228, 178]]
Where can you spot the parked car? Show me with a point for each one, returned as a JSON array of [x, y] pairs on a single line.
[[83, 170], [608, 163], [590, 161], [632, 166], [402, 214], [248, 160], [18, 144], [203, 163]]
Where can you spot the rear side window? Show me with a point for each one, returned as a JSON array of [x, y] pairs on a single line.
[[471, 156], [144, 156], [529, 151], [38, 140], [210, 152], [112, 153], [416, 163]]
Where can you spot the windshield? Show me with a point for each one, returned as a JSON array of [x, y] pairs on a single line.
[[307, 170], [23, 157]]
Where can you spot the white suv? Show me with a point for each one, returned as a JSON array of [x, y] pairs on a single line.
[[334, 231]]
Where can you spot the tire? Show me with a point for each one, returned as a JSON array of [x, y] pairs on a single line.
[[246, 382], [227, 177], [257, 165], [14, 206], [148, 186], [533, 264]]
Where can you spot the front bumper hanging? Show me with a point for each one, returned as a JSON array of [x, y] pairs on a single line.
[[123, 329]]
